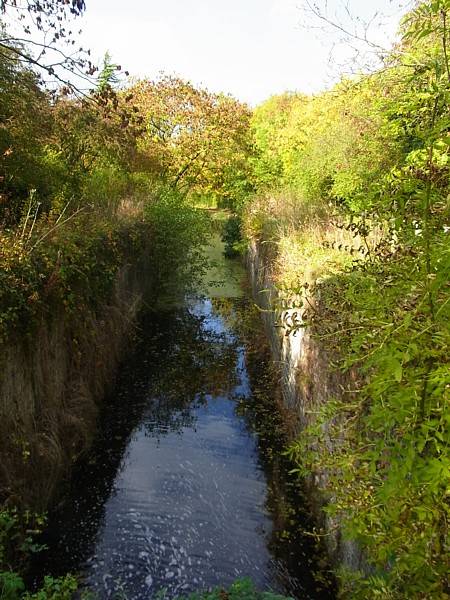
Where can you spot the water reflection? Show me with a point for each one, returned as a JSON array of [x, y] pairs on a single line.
[[179, 492]]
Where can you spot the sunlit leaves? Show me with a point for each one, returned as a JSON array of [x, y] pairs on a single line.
[[199, 140], [378, 150]]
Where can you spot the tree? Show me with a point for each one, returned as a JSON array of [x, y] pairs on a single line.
[[25, 122], [107, 78], [360, 37], [200, 140], [40, 34]]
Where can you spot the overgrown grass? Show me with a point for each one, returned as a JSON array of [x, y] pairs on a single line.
[[303, 242]]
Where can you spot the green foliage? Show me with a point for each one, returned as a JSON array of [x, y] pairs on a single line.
[[376, 151], [24, 116], [232, 237], [108, 75], [58, 146], [329, 147], [272, 125], [18, 531], [199, 140], [179, 233], [62, 588], [242, 589], [11, 586], [389, 473], [17, 541], [105, 187], [71, 268]]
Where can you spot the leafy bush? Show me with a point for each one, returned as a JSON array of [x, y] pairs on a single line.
[[179, 234], [231, 236], [12, 587], [376, 151], [72, 268], [242, 589], [17, 541]]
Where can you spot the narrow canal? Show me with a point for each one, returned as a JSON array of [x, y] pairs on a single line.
[[185, 488]]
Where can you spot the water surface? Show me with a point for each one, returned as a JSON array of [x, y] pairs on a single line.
[[181, 491]]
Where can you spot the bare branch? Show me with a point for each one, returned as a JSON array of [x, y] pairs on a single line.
[[355, 36]]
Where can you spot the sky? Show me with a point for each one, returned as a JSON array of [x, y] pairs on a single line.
[[251, 49]]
